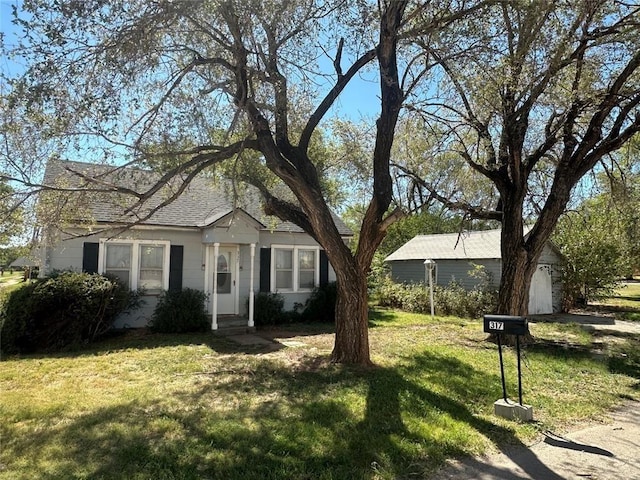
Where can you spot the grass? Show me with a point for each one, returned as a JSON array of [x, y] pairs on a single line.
[[145, 406], [625, 301], [11, 281]]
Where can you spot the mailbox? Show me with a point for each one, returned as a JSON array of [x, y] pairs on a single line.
[[507, 324]]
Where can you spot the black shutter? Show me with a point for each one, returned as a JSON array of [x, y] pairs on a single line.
[[324, 268], [265, 269], [90, 257], [175, 267]]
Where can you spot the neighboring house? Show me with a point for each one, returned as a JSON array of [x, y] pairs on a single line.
[[456, 254], [28, 264], [202, 240], [23, 262]]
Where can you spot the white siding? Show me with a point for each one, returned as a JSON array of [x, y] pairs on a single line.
[[66, 254], [267, 239]]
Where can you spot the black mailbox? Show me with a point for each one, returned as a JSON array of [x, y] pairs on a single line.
[[507, 324]]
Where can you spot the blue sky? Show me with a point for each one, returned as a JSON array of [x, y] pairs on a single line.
[[8, 31], [360, 97]]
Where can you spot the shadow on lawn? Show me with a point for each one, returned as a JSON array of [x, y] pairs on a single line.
[[381, 315], [276, 422], [143, 339]]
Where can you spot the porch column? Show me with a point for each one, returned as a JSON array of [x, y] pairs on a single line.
[[214, 309], [251, 291]]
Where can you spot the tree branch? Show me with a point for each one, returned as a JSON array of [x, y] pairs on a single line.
[[328, 100], [473, 211]]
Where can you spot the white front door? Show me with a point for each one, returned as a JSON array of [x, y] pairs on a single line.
[[226, 280], [540, 292]]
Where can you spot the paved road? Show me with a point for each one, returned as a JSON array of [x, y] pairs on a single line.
[[604, 452]]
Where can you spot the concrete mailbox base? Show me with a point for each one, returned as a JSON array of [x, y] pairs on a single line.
[[512, 410]]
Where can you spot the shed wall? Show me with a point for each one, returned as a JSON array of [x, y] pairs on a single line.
[[413, 271]]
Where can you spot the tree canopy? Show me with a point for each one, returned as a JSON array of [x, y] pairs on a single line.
[[184, 86], [515, 90], [533, 96]]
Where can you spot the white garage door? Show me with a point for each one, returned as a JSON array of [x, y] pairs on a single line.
[[540, 298]]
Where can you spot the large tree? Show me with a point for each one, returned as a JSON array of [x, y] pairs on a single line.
[[183, 85], [533, 95]]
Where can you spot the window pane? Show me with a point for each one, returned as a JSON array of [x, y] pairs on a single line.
[[284, 269], [118, 256], [223, 265], [151, 267], [118, 262], [122, 275], [151, 279], [307, 259], [151, 256], [307, 279], [224, 283], [284, 280], [284, 259], [306, 268]]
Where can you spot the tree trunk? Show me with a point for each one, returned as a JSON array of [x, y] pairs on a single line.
[[513, 295], [518, 266], [352, 318]]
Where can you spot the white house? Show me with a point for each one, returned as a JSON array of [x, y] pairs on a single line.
[[202, 240], [456, 254]]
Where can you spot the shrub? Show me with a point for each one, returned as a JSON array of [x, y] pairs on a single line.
[[63, 310], [321, 305], [455, 300], [452, 299], [269, 309], [180, 311], [15, 312]]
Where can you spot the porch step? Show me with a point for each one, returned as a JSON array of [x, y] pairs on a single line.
[[229, 331], [233, 325]]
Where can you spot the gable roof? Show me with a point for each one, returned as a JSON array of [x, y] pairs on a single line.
[[202, 203], [483, 244]]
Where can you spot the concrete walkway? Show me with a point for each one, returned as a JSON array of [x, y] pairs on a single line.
[[598, 322], [604, 452]]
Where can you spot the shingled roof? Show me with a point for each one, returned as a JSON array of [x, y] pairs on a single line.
[[450, 246], [201, 203]]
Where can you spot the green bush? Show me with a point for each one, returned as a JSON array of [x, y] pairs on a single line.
[[269, 310], [180, 311], [450, 300], [455, 300], [15, 314], [63, 310], [321, 305]]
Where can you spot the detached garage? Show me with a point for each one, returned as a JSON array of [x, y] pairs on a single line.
[[456, 254]]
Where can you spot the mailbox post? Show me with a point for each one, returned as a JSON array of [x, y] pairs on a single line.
[[509, 325]]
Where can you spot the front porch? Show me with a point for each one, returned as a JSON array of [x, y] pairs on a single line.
[[229, 271]]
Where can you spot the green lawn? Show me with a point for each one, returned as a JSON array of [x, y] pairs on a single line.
[[625, 301], [200, 407], [11, 280]]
